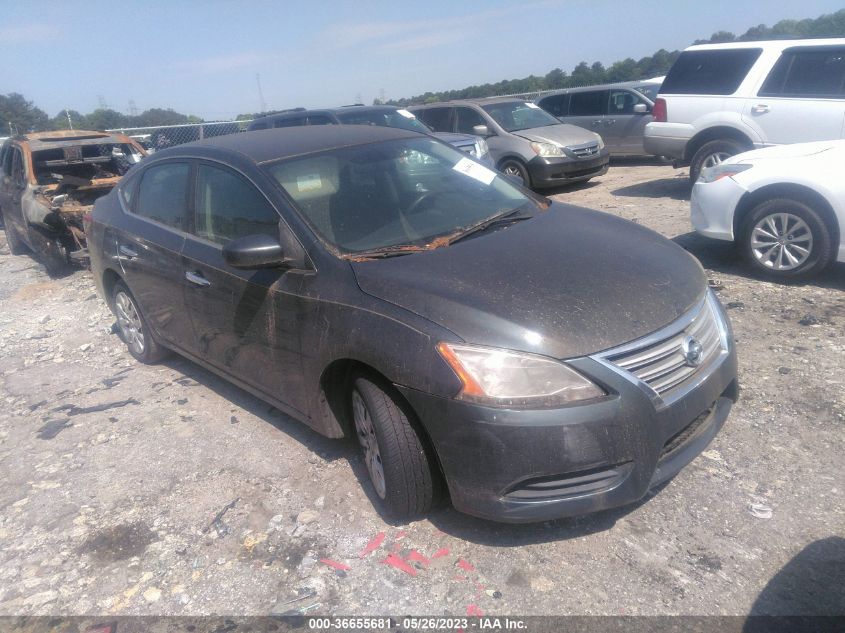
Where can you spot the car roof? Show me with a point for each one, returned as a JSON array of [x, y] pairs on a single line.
[[769, 44], [622, 84], [62, 138], [303, 112], [261, 146], [479, 102]]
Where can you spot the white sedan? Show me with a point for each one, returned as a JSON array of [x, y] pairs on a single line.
[[783, 206]]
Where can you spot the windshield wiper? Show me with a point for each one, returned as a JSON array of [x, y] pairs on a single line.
[[505, 218], [384, 252]]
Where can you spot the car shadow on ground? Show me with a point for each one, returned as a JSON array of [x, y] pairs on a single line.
[[810, 585], [724, 257], [676, 188], [327, 449], [576, 186]]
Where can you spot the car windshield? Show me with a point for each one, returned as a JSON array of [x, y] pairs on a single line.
[[519, 115], [385, 118], [399, 194]]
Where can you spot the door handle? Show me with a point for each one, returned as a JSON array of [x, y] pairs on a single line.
[[760, 108], [126, 252], [197, 278]]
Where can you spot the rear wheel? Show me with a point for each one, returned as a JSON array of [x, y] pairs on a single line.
[[133, 328], [395, 455], [515, 169], [787, 239], [713, 153]]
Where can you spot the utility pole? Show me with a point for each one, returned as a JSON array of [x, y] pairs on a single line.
[[260, 93], [69, 122], [359, 98], [102, 101], [381, 96], [133, 110]]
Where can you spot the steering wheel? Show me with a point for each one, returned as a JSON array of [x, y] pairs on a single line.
[[417, 204]]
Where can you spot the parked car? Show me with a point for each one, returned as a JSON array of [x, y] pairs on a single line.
[[542, 360], [50, 180], [784, 207], [617, 112], [719, 100], [525, 141], [385, 116]]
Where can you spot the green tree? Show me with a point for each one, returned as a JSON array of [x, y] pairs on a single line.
[[20, 116]]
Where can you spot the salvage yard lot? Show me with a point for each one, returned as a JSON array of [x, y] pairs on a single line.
[[132, 489]]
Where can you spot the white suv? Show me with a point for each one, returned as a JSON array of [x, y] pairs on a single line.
[[722, 99]]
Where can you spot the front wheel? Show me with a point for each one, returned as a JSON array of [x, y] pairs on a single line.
[[787, 239], [516, 170], [395, 455], [712, 154], [133, 328]]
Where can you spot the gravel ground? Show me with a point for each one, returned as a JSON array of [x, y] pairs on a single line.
[[132, 489]]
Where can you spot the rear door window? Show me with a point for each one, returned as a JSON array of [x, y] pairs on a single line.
[[556, 105], [807, 72], [319, 119], [163, 194], [437, 118], [710, 72], [622, 102], [590, 103], [289, 122], [18, 171]]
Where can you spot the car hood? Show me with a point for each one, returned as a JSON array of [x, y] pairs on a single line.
[[455, 139], [796, 150], [567, 283], [563, 134]]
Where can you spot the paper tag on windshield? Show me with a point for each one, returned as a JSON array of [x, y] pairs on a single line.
[[474, 170], [311, 182], [532, 105], [406, 114]]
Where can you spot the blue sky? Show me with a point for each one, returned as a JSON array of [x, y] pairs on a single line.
[[202, 58]]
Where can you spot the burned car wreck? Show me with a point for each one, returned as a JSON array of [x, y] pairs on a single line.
[[50, 180]]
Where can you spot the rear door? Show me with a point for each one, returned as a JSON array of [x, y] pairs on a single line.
[[439, 119], [803, 97], [149, 249], [244, 320], [556, 105], [587, 109]]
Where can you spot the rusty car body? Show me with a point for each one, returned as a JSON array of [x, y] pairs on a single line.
[[50, 180]]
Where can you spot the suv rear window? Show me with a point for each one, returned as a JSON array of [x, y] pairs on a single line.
[[807, 72], [710, 72]]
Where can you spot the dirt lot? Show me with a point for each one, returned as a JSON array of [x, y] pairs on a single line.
[[131, 489]]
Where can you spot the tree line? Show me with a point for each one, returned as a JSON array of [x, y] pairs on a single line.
[[18, 115], [658, 64]]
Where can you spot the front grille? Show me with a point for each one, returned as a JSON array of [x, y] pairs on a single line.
[[584, 151], [662, 364]]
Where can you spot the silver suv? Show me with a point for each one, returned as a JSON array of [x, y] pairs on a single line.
[[525, 141]]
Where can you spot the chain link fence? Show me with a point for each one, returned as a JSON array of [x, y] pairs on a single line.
[[160, 137]]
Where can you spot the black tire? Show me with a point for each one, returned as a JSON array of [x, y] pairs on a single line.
[[410, 480], [766, 260], [149, 351], [720, 148], [16, 245], [515, 168]]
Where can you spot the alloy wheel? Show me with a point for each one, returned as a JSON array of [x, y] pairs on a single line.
[[513, 170], [369, 443], [781, 241], [716, 158], [129, 322]]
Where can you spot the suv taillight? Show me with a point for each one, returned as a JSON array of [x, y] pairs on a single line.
[[658, 112]]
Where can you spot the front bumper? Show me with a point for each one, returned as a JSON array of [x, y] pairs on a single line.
[[550, 172], [521, 466], [713, 205]]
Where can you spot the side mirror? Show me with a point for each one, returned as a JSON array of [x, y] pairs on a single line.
[[481, 130], [640, 108], [255, 251]]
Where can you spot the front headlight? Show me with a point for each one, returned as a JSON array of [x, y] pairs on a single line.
[[548, 150], [481, 149], [717, 172], [601, 142], [501, 377]]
